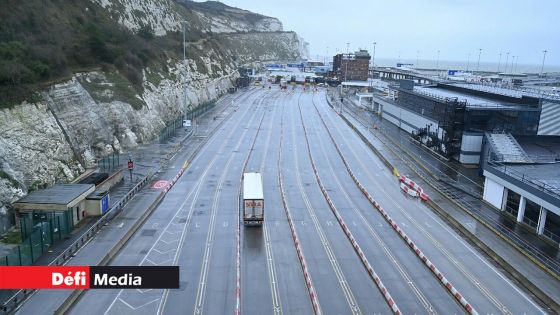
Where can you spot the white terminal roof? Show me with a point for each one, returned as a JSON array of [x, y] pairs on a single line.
[[252, 186], [472, 101], [513, 91]]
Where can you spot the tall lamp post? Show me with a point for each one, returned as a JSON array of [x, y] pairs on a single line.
[[373, 64], [499, 61], [347, 56], [542, 66], [184, 24], [478, 62], [507, 58], [437, 63], [373, 57]]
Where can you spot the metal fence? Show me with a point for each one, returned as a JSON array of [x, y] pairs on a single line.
[[532, 250], [170, 129], [201, 109], [533, 182], [11, 304], [109, 163], [38, 237]]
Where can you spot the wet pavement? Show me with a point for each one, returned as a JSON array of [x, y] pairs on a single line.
[[414, 162], [151, 158]]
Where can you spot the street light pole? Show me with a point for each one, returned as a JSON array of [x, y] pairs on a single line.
[[542, 66], [507, 58], [373, 58], [186, 65], [437, 63], [372, 66], [478, 62], [347, 59], [499, 61]]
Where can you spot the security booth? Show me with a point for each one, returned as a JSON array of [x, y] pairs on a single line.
[[97, 203], [61, 207]]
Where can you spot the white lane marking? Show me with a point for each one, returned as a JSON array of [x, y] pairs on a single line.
[[201, 290], [196, 188], [138, 307], [271, 266], [476, 282], [349, 296]]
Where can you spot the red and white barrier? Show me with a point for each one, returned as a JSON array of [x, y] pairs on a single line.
[[307, 277], [406, 182], [377, 280], [454, 292]]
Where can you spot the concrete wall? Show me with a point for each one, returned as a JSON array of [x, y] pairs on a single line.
[[113, 180], [81, 206], [549, 124], [534, 194], [471, 145], [493, 193]]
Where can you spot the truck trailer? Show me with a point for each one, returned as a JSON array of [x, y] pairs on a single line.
[[253, 199]]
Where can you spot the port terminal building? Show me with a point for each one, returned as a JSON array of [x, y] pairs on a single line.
[[513, 136], [452, 118]]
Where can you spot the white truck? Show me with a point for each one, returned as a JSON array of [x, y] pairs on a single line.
[[253, 199]]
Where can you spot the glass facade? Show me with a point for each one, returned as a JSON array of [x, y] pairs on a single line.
[[516, 122]]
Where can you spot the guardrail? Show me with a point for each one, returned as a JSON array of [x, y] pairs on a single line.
[[15, 301], [533, 224], [503, 88], [533, 182], [531, 252]]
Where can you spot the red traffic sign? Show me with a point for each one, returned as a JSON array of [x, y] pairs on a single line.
[[130, 165]]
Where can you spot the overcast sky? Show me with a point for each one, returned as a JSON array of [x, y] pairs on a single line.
[[455, 27]]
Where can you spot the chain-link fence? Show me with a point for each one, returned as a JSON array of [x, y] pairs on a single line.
[[39, 231]]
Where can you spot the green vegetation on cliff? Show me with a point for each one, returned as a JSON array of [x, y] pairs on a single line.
[[45, 41]]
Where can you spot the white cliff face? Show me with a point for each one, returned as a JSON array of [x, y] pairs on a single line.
[[303, 48], [250, 47], [33, 151], [222, 24], [85, 118], [52, 141], [161, 15]]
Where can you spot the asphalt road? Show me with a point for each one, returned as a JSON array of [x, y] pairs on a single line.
[[195, 227]]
